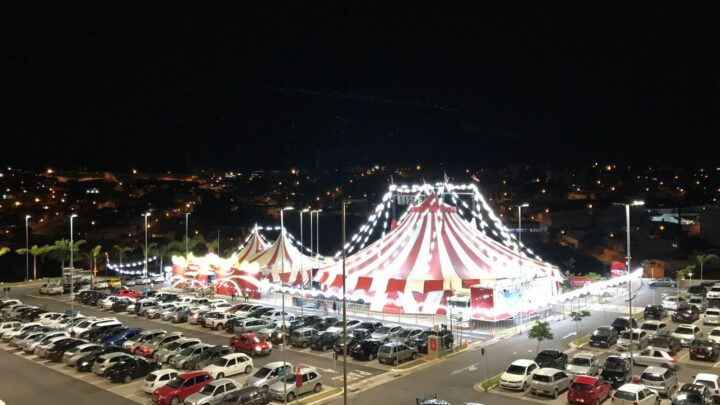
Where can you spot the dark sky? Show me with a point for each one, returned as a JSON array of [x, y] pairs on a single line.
[[245, 84]]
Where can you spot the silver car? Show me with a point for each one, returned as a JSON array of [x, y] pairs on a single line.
[[286, 388], [154, 312], [269, 374], [386, 333], [660, 379], [212, 393], [654, 357], [250, 325], [638, 337], [163, 354], [143, 337], [653, 328], [106, 361], [178, 360], [396, 352], [583, 363], [549, 381], [73, 355]]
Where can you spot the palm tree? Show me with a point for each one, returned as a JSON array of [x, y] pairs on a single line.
[[213, 246], [164, 251], [3, 250], [192, 243], [121, 251], [150, 247], [60, 251], [702, 259], [34, 251], [91, 257]]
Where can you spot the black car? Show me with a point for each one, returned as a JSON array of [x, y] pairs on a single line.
[[421, 341], [310, 320], [56, 353], [551, 358], [697, 290], [713, 303], [82, 295], [693, 394], [95, 300], [672, 344], [324, 341], [703, 349], [260, 312], [616, 370], [654, 312], [366, 349], [686, 313], [357, 336], [127, 370], [604, 336], [325, 323], [121, 305], [229, 325], [31, 314], [369, 326], [624, 322], [207, 357], [247, 396], [85, 363]]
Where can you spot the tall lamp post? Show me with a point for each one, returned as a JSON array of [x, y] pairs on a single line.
[[317, 232], [72, 270], [27, 249], [146, 215], [302, 262], [635, 203], [187, 214], [282, 291], [344, 304], [520, 207]]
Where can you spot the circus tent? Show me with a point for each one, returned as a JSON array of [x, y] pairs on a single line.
[[255, 245], [432, 253], [282, 257]]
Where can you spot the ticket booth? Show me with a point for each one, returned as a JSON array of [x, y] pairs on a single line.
[[434, 347]]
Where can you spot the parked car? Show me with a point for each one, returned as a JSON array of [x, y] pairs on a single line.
[[653, 328], [157, 379], [712, 316], [324, 341], [230, 364], [247, 396], [617, 370], [366, 349], [207, 357], [181, 387], [86, 362], [672, 302], [421, 342], [386, 333], [105, 361], [663, 282], [604, 336], [655, 357], [180, 359], [588, 390], [51, 289], [699, 302], [396, 352], [549, 381], [127, 370], [351, 324], [287, 389], [635, 394], [56, 353], [119, 338], [699, 290], [635, 339], [518, 375], [656, 312], [276, 316], [552, 358], [686, 333], [623, 322], [692, 394], [660, 379], [148, 349], [354, 338], [714, 335], [583, 363], [218, 321], [667, 342], [714, 292], [251, 344], [163, 354], [686, 313], [302, 337], [71, 356], [143, 337], [269, 374], [250, 325], [712, 381], [703, 349], [213, 393], [369, 326]]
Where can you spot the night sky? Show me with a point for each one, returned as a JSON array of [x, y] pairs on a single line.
[[162, 85]]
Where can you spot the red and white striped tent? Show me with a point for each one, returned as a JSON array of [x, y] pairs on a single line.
[[431, 253], [270, 262], [253, 247]]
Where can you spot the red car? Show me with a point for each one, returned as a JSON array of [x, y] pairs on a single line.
[[588, 390], [127, 293], [181, 387], [251, 344]]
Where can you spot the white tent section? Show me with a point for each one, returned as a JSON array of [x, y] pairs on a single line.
[[284, 258]]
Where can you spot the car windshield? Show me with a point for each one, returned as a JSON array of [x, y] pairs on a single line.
[[208, 389], [385, 349], [580, 361], [541, 378], [382, 329], [172, 346], [176, 382], [684, 331], [626, 335], [545, 357], [263, 372], [220, 362], [581, 387], [689, 398], [649, 326], [515, 369], [187, 351], [405, 333], [715, 332], [713, 313], [614, 364], [628, 396], [652, 376], [671, 299], [256, 340]]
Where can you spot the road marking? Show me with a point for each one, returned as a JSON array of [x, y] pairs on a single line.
[[571, 334], [472, 367]]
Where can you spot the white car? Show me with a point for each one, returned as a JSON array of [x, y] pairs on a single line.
[[47, 337], [671, 302], [639, 338], [654, 328], [686, 333], [101, 284], [714, 292], [108, 302], [220, 306], [8, 326], [230, 364], [88, 324], [517, 375], [218, 321], [48, 317], [712, 316], [635, 394], [351, 324], [51, 289], [583, 363], [715, 335], [699, 302], [712, 381], [157, 379], [276, 316]]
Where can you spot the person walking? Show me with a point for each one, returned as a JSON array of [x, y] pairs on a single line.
[[325, 308], [335, 308], [232, 293]]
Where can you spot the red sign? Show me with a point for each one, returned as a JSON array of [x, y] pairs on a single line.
[[579, 281], [298, 380], [433, 345]]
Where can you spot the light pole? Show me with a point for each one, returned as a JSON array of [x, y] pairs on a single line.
[[520, 207], [282, 291], [317, 234], [627, 264], [27, 249], [344, 319], [146, 215], [187, 214], [302, 263], [72, 271]]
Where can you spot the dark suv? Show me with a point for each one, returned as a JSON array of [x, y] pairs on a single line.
[[686, 313], [604, 336], [655, 312], [624, 322], [324, 341], [552, 358], [616, 370], [672, 344], [703, 349], [366, 349], [694, 394]]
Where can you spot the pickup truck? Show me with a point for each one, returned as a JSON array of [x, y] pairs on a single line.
[[51, 289]]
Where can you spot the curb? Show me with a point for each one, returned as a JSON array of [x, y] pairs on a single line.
[[309, 400]]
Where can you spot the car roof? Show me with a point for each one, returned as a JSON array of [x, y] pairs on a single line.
[[686, 325], [584, 379], [222, 381], [550, 351], [249, 335], [163, 371], [706, 376], [275, 364], [234, 356], [582, 355], [631, 387], [522, 362], [654, 370], [191, 374]]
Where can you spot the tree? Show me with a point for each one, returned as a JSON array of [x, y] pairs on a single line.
[[592, 276], [682, 273], [213, 246], [192, 243], [91, 257], [60, 251], [541, 331], [578, 316], [702, 259], [34, 251], [121, 251], [164, 251]]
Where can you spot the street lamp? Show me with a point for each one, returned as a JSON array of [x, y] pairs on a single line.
[[520, 207], [187, 214], [635, 203], [27, 249], [72, 271], [317, 233], [146, 215], [282, 291], [302, 261]]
